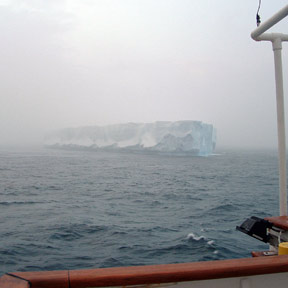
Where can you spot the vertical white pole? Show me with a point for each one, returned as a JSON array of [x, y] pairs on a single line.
[[277, 47]]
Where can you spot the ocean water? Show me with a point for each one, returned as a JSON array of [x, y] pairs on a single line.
[[76, 209]]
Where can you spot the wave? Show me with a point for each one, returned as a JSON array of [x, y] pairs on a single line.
[[192, 236], [224, 208], [111, 262], [8, 203], [74, 231]]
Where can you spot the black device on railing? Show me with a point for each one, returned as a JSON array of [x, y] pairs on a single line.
[[257, 228]]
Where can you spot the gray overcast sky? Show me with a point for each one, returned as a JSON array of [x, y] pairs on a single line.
[[97, 62]]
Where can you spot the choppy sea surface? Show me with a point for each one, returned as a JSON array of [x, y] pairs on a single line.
[[76, 209]]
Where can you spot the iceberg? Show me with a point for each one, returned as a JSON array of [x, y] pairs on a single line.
[[180, 137]]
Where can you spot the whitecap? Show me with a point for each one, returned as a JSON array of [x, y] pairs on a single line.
[[195, 237]]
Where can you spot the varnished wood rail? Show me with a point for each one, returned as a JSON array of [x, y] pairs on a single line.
[[140, 275]]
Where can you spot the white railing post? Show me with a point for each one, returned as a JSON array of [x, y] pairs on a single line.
[[277, 47], [277, 39]]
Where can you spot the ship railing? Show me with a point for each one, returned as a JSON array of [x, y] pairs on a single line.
[[277, 38], [247, 272]]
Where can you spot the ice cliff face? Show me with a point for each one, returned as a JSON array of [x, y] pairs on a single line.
[[191, 137]]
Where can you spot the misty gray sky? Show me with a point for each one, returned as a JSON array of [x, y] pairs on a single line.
[[96, 62]]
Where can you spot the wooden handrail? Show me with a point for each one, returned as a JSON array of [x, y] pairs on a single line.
[[167, 273]]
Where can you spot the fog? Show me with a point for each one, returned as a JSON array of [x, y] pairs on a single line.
[[98, 62]]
